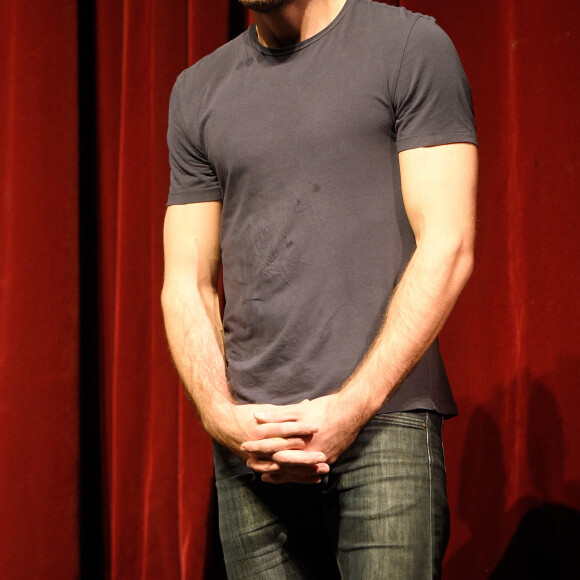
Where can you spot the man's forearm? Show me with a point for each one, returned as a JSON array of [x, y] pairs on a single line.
[[417, 311], [438, 185], [194, 340], [193, 334]]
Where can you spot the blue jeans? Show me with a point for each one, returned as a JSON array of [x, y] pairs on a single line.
[[381, 512]]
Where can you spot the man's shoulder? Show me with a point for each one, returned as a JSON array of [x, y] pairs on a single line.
[[387, 27], [213, 66], [388, 16]]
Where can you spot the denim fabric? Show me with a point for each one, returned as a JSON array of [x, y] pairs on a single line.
[[380, 513]]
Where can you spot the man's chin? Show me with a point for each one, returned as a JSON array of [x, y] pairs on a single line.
[[264, 6]]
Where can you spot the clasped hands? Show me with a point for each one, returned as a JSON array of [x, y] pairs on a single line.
[[296, 443]]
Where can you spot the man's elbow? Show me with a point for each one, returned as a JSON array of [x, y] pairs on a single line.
[[462, 258], [184, 293], [168, 300], [466, 265], [172, 295], [451, 255]]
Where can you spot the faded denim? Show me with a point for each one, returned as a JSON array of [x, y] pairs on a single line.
[[380, 513]]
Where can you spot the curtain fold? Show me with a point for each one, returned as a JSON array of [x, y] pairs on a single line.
[[39, 294], [87, 388], [159, 471]]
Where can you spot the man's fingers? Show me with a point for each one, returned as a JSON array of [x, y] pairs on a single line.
[[276, 416], [275, 473], [299, 457], [299, 462], [262, 465], [279, 413], [291, 459], [273, 445], [285, 429]]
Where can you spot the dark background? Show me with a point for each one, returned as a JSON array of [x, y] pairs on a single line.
[[104, 470]]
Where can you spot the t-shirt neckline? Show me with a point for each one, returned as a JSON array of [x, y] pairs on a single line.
[[296, 47]]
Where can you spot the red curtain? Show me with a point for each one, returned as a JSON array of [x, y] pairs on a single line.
[[157, 460], [39, 291], [104, 470], [512, 345]]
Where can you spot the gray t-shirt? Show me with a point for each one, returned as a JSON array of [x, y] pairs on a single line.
[[301, 144]]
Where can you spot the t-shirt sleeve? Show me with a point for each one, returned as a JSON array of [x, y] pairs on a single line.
[[432, 97], [193, 178]]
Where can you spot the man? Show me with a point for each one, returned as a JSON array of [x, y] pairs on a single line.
[[327, 158]]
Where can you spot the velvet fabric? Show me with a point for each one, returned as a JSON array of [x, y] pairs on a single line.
[[104, 469]]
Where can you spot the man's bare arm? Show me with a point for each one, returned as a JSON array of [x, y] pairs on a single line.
[[195, 335], [439, 188], [191, 306]]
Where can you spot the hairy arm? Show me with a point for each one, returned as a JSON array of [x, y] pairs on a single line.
[[191, 306], [195, 335], [439, 187]]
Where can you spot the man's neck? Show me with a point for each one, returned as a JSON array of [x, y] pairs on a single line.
[[295, 21]]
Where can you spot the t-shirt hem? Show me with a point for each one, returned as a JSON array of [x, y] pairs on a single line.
[[181, 198], [446, 409], [435, 139]]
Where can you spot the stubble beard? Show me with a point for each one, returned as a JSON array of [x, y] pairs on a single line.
[[265, 6]]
